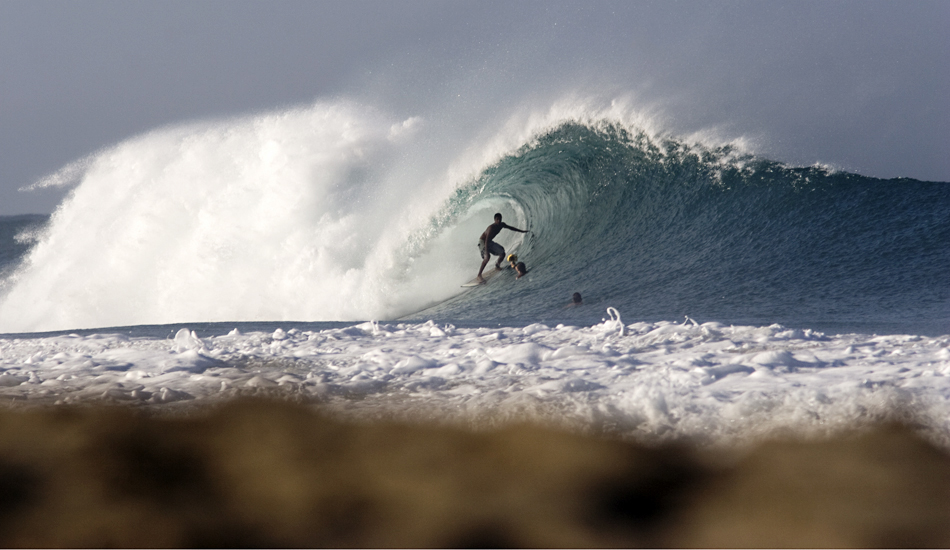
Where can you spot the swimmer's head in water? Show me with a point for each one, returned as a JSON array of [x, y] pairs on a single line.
[[512, 258], [576, 298]]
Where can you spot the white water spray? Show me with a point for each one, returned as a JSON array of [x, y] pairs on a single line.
[[289, 215]]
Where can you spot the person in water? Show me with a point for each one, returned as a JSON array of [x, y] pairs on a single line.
[[576, 300], [519, 267], [487, 246]]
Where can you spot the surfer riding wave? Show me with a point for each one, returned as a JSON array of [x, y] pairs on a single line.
[[487, 246]]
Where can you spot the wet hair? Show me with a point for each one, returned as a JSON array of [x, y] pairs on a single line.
[[521, 268], [576, 298], [498, 215]]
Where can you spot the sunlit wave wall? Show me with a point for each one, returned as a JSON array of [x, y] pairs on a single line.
[[339, 211]]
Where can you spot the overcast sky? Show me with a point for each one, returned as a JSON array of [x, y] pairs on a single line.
[[863, 85]]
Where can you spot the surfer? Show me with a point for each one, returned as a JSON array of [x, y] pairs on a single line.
[[487, 246], [519, 267]]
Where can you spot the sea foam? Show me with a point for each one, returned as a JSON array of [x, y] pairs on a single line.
[[709, 382]]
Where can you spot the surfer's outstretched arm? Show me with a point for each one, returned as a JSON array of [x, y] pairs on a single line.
[[506, 226]]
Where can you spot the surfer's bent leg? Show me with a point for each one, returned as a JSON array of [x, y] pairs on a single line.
[[498, 250]]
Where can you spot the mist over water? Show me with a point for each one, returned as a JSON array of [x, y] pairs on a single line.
[[271, 216], [339, 211]]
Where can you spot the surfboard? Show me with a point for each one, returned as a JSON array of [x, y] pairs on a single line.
[[486, 276]]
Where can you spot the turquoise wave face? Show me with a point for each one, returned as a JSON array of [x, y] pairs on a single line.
[[659, 230]]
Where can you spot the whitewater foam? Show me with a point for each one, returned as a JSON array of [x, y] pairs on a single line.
[[708, 382]]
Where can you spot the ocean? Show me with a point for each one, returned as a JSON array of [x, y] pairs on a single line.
[[318, 252]]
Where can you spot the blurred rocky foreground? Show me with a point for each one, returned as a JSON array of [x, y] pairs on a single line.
[[264, 474]]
